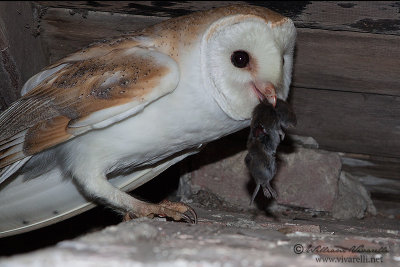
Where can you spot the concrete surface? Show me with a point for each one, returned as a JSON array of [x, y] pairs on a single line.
[[223, 238]]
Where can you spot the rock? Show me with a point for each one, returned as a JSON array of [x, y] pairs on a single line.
[[303, 141], [308, 178], [227, 178], [353, 199]]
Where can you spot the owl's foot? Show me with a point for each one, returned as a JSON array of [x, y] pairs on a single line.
[[175, 210]]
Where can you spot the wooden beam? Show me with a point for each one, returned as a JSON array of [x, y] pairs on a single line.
[[65, 31], [369, 165], [21, 53], [347, 61], [381, 17], [349, 122]]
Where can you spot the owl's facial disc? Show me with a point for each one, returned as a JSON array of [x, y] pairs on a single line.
[[243, 64], [264, 91]]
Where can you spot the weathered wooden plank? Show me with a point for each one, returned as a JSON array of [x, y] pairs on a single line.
[[65, 31], [346, 61], [380, 175], [381, 188], [349, 122], [380, 17], [21, 53], [369, 165], [358, 16], [357, 62]]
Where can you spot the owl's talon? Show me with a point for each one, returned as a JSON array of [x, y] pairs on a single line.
[[129, 216], [187, 213], [186, 218], [175, 210], [191, 215]]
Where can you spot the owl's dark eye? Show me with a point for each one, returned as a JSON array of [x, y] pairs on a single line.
[[240, 59]]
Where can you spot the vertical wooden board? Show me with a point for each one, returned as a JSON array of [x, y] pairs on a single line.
[[349, 122], [358, 62], [22, 54], [10, 78]]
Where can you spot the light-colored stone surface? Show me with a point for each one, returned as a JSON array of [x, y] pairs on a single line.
[[220, 239]]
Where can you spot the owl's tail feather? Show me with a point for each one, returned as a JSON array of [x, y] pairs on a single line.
[[30, 204]]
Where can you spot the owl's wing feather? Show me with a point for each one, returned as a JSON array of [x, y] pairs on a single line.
[[83, 94], [25, 205]]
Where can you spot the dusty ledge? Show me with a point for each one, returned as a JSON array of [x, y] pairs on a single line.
[[221, 238]]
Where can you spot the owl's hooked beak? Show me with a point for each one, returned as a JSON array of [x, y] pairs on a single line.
[[266, 91]]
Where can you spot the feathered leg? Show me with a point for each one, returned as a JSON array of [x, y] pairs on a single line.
[[100, 190]]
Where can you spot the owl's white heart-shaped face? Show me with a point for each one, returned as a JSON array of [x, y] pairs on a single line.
[[244, 60]]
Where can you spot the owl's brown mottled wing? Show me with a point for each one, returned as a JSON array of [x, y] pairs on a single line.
[[82, 95]]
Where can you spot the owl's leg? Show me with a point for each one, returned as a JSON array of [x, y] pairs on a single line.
[[97, 187]]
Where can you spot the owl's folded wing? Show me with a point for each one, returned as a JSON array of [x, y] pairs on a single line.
[[25, 205], [83, 92]]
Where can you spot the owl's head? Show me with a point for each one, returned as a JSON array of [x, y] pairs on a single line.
[[245, 59]]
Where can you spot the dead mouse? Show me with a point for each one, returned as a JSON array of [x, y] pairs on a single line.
[[266, 132]]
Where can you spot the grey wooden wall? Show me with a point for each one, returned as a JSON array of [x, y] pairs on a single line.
[[21, 52], [346, 84]]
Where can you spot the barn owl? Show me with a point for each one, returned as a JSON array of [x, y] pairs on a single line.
[[115, 114]]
